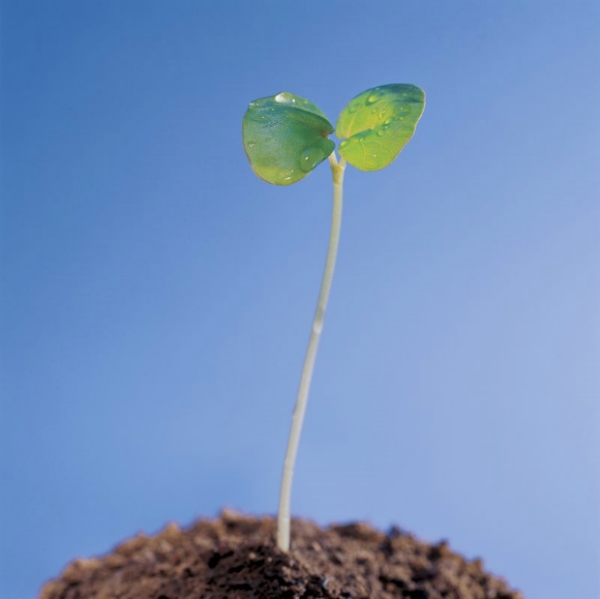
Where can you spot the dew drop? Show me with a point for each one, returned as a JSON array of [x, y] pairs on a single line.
[[344, 143], [310, 158], [285, 98], [251, 144], [375, 96], [352, 108]]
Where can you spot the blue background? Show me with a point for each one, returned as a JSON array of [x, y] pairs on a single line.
[[157, 296]]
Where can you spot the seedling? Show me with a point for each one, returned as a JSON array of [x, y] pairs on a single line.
[[285, 138]]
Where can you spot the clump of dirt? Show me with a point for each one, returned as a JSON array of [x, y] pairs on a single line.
[[235, 557]]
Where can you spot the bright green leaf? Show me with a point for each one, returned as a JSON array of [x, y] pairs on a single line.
[[285, 137], [378, 123]]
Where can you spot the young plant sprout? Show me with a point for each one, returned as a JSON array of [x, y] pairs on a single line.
[[286, 137]]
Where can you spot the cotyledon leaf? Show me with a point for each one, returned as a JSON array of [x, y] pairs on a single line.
[[378, 123], [285, 137]]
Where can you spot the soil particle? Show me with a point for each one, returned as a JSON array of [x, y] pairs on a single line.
[[234, 557]]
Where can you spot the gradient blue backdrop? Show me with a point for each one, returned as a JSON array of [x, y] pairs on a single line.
[[157, 296]]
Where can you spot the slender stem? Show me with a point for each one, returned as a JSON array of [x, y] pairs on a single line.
[[283, 519]]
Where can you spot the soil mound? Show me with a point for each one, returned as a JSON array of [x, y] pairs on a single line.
[[234, 557]]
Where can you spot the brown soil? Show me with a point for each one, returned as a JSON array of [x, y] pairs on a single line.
[[234, 557]]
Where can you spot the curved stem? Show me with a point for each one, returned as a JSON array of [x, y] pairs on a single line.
[[283, 519]]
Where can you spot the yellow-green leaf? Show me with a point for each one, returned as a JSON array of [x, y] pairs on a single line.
[[378, 123], [285, 137]]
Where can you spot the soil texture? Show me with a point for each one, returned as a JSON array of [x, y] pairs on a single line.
[[234, 557]]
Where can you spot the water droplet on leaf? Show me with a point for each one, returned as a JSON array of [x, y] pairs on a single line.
[[372, 99], [310, 158], [284, 98]]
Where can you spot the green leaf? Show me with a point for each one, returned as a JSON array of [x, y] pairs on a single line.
[[378, 123], [285, 137]]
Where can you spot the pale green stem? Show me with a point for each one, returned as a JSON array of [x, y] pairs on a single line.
[[283, 519]]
